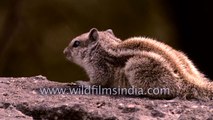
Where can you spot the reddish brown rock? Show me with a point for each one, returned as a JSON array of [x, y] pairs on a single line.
[[21, 98]]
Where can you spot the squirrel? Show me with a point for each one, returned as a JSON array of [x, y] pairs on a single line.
[[137, 62]]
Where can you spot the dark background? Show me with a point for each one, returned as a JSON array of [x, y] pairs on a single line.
[[33, 33]]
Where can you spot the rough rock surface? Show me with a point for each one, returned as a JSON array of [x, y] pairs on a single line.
[[21, 98]]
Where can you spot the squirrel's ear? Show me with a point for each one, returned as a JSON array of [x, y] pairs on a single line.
[[93, 34], [110, 31]]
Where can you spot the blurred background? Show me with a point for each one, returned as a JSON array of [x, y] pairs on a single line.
[[33, 33]]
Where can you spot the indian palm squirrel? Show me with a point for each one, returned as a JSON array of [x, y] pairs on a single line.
[[138, 61]]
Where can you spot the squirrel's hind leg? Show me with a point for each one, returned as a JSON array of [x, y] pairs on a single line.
[[152, 76]]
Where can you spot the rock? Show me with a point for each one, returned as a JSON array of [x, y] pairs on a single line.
[[28, 98]]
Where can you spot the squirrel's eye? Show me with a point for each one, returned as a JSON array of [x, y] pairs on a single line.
[[76, 43]]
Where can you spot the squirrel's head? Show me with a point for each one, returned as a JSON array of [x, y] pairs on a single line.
[[83, 47]]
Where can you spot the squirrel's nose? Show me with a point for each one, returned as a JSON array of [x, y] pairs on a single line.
[[66, 51]]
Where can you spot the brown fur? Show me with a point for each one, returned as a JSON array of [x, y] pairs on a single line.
[[139, 62]]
